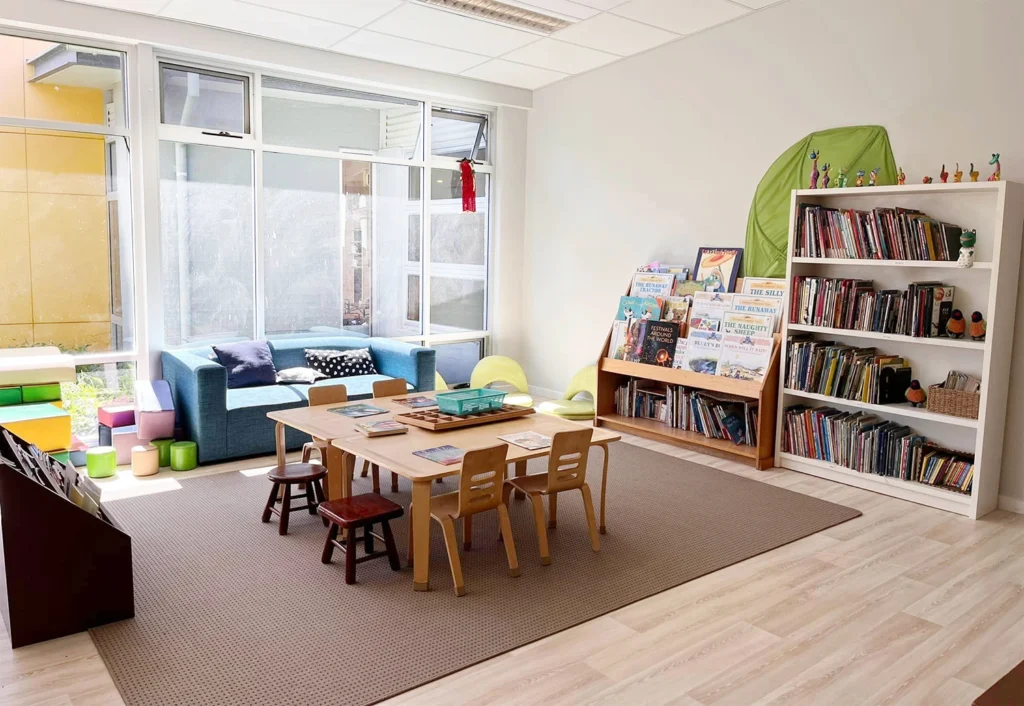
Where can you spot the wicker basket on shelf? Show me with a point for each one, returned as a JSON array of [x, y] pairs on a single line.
[[957, 403]]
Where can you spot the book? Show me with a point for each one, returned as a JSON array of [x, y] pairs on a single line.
[[416, 401], [748, 324], [652, 284], [764, 287], [388, 427], [529, 440], [676, 309], [357, 410], [685, 288], [703, 349], [679, 359], [446, 455], [708, 309], [747, 304], [744, 357], [659, 342], [631, 308], [943, 309], [716, 268], [617, 342]]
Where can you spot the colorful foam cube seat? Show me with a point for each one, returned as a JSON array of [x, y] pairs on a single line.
[[42, 424], [164, 447], [154, 409], [40, 393], [123, 439], [35, 366], [184, 456], [9, 396], [60, 456], [101, 461], [77, 452], [145, 460], [122, 415]]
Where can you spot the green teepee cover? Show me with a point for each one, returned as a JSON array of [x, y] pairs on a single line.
[[863, 147]]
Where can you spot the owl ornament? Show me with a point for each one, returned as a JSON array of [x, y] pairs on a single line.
[[956, 326], [915, 394], [977, 327]]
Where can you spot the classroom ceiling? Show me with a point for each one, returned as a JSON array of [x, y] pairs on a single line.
[[413, 33]]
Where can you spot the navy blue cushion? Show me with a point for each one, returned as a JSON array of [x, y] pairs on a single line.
[[248, 363]]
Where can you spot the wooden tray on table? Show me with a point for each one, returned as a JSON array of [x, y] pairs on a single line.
[[435, 420]]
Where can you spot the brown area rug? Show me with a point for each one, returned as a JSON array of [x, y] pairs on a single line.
[[229, 612]]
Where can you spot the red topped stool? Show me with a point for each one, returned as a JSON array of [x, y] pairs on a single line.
[[287, 476], [352, 513]]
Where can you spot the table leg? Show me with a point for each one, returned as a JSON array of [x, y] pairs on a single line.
[[282, 450], [604, 485], [421, 535], [520, 472], [335, 472], [348, 465]]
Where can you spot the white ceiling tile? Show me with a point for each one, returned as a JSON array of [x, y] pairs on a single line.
[[614, 34], [426, 24], [602, 4], [565, 8], [511, 74], [354, 13], [757, 4], [681, 16], [150, 7], [560, 56], [260, 21], [383, 47]]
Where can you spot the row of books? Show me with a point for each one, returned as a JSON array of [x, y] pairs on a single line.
[[716, 415], [921, 310], [40, 467], [846, 372], [867, 444], [879, 234]]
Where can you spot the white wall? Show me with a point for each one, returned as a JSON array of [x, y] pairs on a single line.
[[654, 156]]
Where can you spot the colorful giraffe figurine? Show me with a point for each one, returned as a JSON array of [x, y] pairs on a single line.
[[843, 181], [974, 173], [958, 175], [926, 180], [977, 328], [901, 178], [814, 169], [999, 170], [914, 394], [873, 177], [967, 240], [824, 175], [943, 174], [860, 178]]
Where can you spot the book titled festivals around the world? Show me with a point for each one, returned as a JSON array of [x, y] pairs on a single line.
[[879, 234], [864, 443], [658, 342], [715, 415]]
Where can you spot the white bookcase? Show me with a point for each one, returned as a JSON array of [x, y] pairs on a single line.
[[996, 211]]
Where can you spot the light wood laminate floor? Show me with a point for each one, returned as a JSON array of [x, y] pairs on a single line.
[[905, 605]]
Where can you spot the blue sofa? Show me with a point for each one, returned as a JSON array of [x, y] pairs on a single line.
[[233, 423]]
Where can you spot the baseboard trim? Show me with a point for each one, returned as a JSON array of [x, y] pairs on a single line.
[[1011, 504], [545, 392]]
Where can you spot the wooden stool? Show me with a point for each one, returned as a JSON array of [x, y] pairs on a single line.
[[289, 475], [352, 513]]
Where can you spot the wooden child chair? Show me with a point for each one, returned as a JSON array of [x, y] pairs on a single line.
[[385, 388], [567, 470], [480, 489]]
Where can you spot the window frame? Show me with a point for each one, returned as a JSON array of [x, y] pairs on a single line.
[[246, 92]]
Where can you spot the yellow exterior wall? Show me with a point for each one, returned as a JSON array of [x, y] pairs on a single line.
[[56, 262]]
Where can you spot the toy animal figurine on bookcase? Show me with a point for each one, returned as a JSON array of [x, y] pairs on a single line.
[[977, 327], [873, 177], [901, 178], [958, 175], [968, 239], [824, 175], [843, 181], [974, 173], [926, 180], [860, 178], [956, 326], [943, 174], [814, 169], [997, 174], [915, 395]]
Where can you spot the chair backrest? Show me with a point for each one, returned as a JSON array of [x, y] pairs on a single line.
[[387, 388], [327, 394], [439, 384], [483, 475], [567, 464], [583, 381], [499, 368]]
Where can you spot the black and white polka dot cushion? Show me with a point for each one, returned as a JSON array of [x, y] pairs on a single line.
[[341, 364]]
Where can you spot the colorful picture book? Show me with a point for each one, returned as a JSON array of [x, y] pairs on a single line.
[[617, 342], [529, 440], [764, 287], [703, 350], [357, 410], [388, 427], [713, 414], [708, 310], [747, 304], [676, 309], [745, 357], [846, 372], [658, 346], [745, 324], [685, 289], [679, 359], [631, 308], [416, 401], [652, 284], [446, 455], [717, 268]]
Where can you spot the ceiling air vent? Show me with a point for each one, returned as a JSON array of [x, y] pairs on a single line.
[[502, 13]]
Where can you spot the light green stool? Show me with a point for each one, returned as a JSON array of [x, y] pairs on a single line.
[[183, 456], [101, 461], [164, 447], [500, 368]]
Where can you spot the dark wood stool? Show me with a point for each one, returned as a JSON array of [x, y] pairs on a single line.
[[294, 474], [350, 514]]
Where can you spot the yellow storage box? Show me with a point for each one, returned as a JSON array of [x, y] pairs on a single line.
[[42, 424]]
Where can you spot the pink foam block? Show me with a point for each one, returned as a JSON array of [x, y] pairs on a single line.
[[155, 425], [154, 409], [124, 438], [116, 416]]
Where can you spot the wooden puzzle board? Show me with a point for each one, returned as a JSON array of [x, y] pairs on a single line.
[[434, 420]]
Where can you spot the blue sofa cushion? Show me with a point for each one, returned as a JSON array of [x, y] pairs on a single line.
[[248, 363]]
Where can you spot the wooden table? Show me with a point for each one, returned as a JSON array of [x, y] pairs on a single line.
[[395, 453]]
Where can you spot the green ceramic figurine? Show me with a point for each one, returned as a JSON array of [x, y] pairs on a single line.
[[843, 180], [967, 241]]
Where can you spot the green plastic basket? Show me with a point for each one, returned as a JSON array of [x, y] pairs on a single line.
[[463, 402]]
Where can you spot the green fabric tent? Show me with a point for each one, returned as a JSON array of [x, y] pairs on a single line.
[[862, 147]]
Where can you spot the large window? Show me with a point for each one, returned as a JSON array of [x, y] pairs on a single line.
[[298, 208]]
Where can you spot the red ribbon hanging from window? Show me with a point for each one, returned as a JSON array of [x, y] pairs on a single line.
[[468, 187]]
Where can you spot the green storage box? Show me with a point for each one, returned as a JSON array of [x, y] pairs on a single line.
[[40, 393], [61, 456], [10, 396], [101, 461], [164, 447], [183, 456]]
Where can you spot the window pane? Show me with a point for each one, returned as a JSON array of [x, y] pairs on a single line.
[[455, 361], [397, 267], [206, 227], [66, 241], [458, 135], [204, 99], [297, 114], [458, 252], [95, 386], [66, 82]]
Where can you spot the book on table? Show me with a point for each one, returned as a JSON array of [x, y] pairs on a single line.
[[446, 455], [387, 427], [357, 411], [529, 440], [416, 401]]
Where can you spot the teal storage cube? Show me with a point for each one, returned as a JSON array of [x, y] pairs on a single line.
[[9, 396], [40, 393]]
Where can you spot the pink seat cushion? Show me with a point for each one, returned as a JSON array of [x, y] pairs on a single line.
[[156, 425]]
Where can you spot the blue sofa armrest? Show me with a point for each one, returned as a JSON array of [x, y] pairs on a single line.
[[199, 386], [403, 360]]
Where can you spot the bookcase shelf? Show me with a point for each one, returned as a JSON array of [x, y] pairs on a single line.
[[996, 210]]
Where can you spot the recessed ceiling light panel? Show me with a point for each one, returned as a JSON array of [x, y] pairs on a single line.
[[502, 13]]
